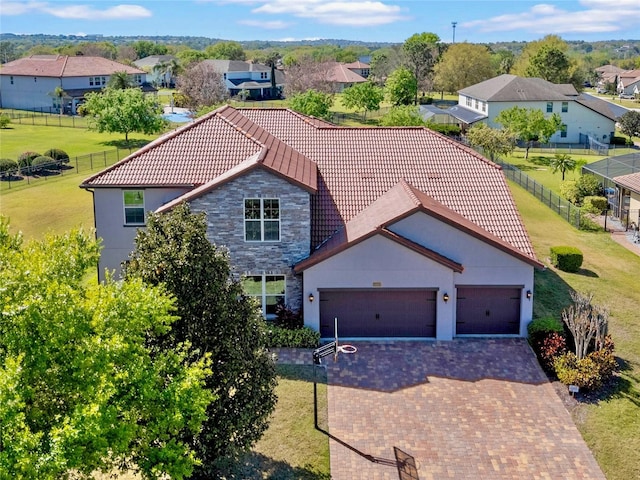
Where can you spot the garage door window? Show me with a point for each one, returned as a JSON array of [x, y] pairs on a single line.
[[269, 290]]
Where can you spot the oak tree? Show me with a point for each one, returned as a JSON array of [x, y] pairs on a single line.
[[365, 97], [529, 124]]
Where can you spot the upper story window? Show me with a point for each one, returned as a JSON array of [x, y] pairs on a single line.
[[263, 75], [469, 102], [549, 107], [476, 106], [97, 81], [268, 289], [262, 220], [484, 106], [565, 107], [365, 72], [133, 207], [11, 79], [224, 75]]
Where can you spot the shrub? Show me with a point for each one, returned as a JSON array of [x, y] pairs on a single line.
[[25, 159], [287, 318], [590, 373], [546, 336], [543, 326], [588, 185], [42, 163], [569, 191], [567, 259], [552, 347], [615, 140], [303, 337], [595, 205], [8, 165], [445, 129], [5, 120], [60, 155]]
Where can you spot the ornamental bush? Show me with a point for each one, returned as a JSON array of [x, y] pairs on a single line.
[[547, 338], [8, 165], [567, 259], [5, 120], [25, 159], [60, 155], [590, 373], [42, 163], [303, 337], [287, 318]]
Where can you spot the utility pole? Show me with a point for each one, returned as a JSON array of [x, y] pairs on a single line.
[[453, 24]]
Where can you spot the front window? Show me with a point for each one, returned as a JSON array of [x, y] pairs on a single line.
[[138, 78], [565, 107], [133, 207], [469, 102], [262, 220], [563, 131], [549, 107], [269, 290]]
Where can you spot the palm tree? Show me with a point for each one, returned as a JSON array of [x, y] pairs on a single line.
[[120, 81], [562, 162], [59, 93]]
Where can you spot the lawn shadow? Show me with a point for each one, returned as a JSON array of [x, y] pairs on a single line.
[[11, 178], [552, 294], [524, 167], [133, 143], [585, 272], [540, 161], [256, 466], [620, 385]]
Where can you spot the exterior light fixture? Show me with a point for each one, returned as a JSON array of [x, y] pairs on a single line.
[[529, 294], [445, 297], [311, 297]]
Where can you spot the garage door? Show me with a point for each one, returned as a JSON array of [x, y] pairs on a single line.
[[378, 313], [488, 310]]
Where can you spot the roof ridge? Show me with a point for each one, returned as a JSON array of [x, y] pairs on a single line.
[[408, 188], [241, 130], [64, 66]]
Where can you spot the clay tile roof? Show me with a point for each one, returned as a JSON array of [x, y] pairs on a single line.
[[65, 66], [631, 181], [357, 64], [341, 74]]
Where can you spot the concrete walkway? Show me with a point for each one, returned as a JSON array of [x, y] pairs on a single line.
[[466, 409]]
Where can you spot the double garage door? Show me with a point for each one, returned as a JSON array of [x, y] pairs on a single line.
[[412, 312], [378, 313]]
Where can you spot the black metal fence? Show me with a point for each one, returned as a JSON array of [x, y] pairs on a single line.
[[562, 207], [33, 175], [45, 119]]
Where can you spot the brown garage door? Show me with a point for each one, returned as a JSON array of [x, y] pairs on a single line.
[[488, 310], [378, 313]]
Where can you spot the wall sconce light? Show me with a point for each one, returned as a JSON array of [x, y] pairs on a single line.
[[311, 297], [445, 297], [529, 294]]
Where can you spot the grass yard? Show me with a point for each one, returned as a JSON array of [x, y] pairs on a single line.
[[611, 426]]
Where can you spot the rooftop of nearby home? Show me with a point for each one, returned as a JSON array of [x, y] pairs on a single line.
[[59, 66]]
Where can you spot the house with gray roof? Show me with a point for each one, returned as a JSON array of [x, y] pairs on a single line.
[[159, 68], [584, 117], [398, 232], [253, 78], [30, 83]]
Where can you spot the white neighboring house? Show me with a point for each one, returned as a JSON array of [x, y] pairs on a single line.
[[629, 82], [583, 116], [30, 83], [254, 78], [163, 77]]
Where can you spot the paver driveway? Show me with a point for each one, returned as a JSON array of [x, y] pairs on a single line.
[[466, 409]]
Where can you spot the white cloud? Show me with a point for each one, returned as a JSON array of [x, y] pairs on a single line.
[[595, 16], [76, 12], [274, 25]]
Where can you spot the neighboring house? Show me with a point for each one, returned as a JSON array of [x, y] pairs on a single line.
[[361, 68], [621, 181], [158, 68], [584, 117], [629, 82], [397, 232], [342, 76], [30, 83], [251, 77], [607, 74]]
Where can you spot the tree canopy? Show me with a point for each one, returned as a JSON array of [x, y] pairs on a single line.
[[529, 124], [123, 111], [462, 65], [492, 141], [225, 51], [401, 87], [216, 318], [313, 103], [551, 64], [421, 52], [202, 85], [80, 389], [630, 124], [365, 97], [403, 116]]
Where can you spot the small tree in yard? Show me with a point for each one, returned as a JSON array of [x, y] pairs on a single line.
[[403, 116], [492, 141], [364, 96], [587, 323], [563, 163], [630, 124], [401, 87], [123, 111], [313, 103], [216, 318], [529, 124], [202, 85]]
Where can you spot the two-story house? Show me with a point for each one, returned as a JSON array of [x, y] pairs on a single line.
[[253, 78], [30, 83], [396, 232], [584, 116]]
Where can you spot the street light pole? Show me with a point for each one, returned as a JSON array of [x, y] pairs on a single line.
[[453, 24]]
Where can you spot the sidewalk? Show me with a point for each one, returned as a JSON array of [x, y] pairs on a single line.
[[619, 234]]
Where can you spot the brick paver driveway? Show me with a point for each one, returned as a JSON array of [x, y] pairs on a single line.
[[466, 409]]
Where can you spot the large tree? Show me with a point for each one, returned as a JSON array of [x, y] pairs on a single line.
[[123, 111], [308, 74], [462, 65], [225, 51], [216, 318], [365, 97], [401, 87], [81, 390], [529, 124], [421, 52], [403, 116], [630, 124], [551, 64], [493, 142], [313, 103], [202, 85]]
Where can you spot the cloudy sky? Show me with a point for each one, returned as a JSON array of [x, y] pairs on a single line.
[[368, 20]]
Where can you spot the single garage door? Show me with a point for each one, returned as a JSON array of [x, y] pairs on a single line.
[[488, 310], [378, 313]]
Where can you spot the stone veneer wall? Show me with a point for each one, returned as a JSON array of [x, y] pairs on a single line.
[[224, 207]]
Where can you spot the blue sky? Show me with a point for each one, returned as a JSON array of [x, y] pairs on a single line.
[[367, 20]]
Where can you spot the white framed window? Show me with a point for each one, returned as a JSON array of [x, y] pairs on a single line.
[[269, 290], [138, 78], [565, 107], [262, 220], [133, 207], [563, 130], [476, 104], [11, 79], [549, 107], [469, 102]]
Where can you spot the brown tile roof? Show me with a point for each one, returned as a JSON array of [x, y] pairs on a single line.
[[59, 66], [357, 64], [356, 166], [631, 181], [339, 73]]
